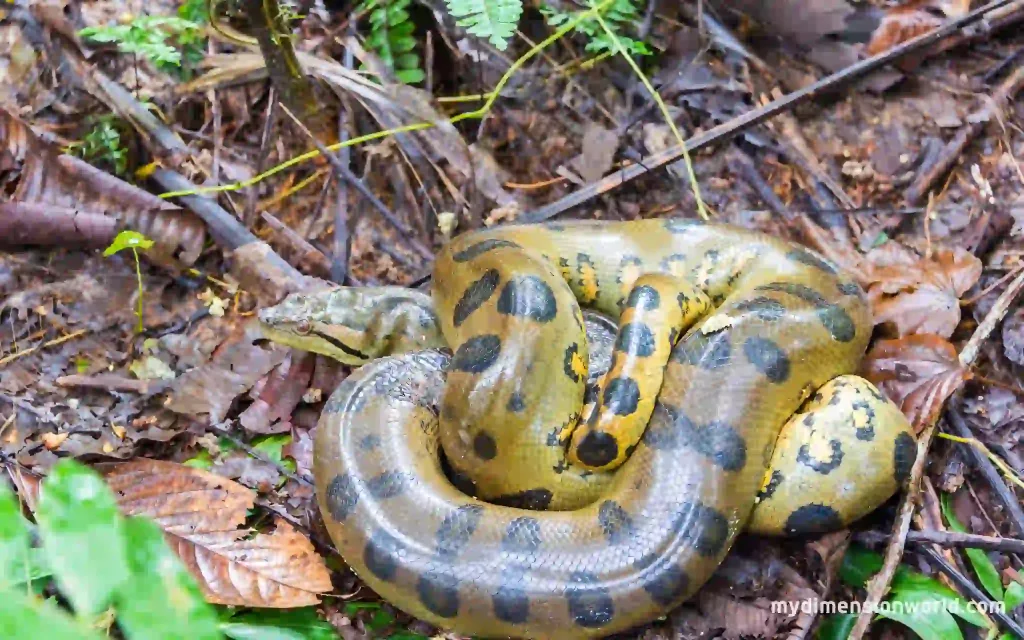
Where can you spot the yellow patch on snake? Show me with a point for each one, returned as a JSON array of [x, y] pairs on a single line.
[[715, 323], [819, 447], [588, 283], [578, 366]]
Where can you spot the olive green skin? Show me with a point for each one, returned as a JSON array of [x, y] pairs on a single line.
[[618, 549]]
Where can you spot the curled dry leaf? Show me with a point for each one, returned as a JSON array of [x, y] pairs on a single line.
[[910, 20], [202, 515], [923, 296], [918, 373]]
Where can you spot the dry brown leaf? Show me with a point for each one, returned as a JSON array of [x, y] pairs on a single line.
[[739, 618], [210, 389], [923, 297], [918, 373], [202, 515], [910, 20]]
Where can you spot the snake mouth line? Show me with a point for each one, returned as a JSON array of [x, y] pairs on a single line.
[[355, 353]]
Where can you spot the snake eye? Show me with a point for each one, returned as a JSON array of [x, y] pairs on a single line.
[[303, 326]]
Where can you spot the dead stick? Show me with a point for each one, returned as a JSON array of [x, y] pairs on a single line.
[[878, 586], [344, 173], [951, 539], [952, 152], [973, 592], [756, 116]]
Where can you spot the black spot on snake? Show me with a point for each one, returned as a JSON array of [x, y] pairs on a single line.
[[342, 497], [635, 338], [480, 248], [801, 291], [680, 225], [903, 455], [808, 258], [522, 535], [510, 601], [535, 499], [484, 446], [823, 467], [768, 358], [773, 484], [571, 354], [462, 482], [763, 308], [369, 443], [438, 590], [590, 393], [850, 289], [477, 354], [528, 297], [662, 579], [622, 396], [615, 522], [597, 449], [718, 441], [380, 555], [515, 402], [838, 323], [387, 485], [707, 351], [590, 606], [645, 297], [701, 526], [669, 261], [475, 295], [812, 519], [457, 528]]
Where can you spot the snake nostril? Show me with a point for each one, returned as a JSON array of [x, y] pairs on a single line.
[[303, 326]]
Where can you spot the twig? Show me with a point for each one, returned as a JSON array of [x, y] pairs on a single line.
[[344, 173], [259, 455], [987, 469], [112, 382], [756, 116], [878, 586], [952, 152], [52, 343], [952, 539], [974, 593], [305, 254], [340, 255], [27, 223]]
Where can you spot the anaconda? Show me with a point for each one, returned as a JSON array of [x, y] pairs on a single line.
[[599, 506]]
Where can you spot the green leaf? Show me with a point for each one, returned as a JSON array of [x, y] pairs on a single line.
[[15, 541], [987, 573], [1014, 596], [411, 76], [493, 20], [278, 624], [836, 627], [23, 616], [202, 460], [272, 446], [859, 564], [919, 612], [127, 239], [83, 534], [160, 599]]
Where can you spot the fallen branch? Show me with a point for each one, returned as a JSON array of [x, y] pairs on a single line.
[[749, 119], [953, 151], [43, 225], [951, 539]]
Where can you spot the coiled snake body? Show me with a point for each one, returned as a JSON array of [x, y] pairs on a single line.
[[728, 386]]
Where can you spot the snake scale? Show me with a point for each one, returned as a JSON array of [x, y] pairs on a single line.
[[479, 475]]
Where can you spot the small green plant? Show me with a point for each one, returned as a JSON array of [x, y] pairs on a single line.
[[391, 38], [131, 240], [102, 145], [619, 14], [147, 36], [916, 601], [493, 20]]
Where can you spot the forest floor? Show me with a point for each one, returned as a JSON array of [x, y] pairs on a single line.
[[908, 175]]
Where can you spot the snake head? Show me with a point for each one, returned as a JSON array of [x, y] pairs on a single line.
[[353, 324]]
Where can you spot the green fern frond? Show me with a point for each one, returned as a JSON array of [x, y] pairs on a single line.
[[391, 38], [494, 20], [618, 15]]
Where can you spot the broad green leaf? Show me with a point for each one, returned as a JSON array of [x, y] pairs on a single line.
[[921, 613], [23, 616], [83, 534], [836, 627], [15, 542], [278, 624], [202, 460], [859, 564], [272, 446], [128, 239], [987, 573], [160, 599], [1014, 596]]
